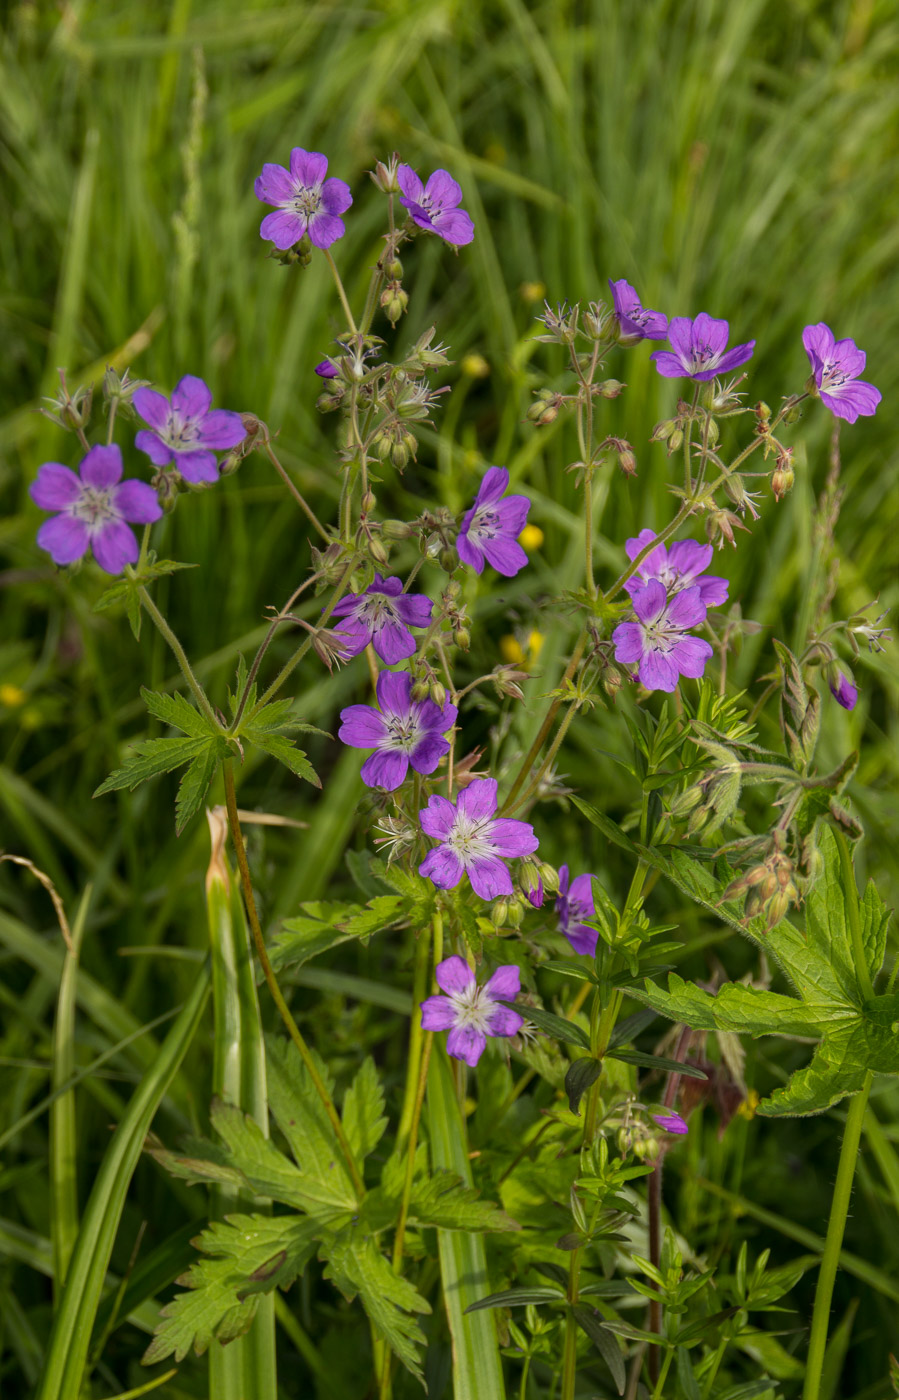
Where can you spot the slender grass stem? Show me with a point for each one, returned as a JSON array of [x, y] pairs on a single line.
[[546, 726], [277, 995]]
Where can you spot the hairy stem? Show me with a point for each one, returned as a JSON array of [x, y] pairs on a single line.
[[340, 292], [180, 655], [277, 995], [296, 493]]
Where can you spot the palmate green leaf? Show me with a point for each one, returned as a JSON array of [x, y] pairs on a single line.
[[363, 1111], [299, 1113], [152, 756], [356, 1266], [276, 718], [446, 1201], [247, 1255], [324, 925], [282, 748], [855, 1035], [177, 711]]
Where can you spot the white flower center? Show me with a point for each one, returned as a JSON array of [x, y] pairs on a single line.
[[471, 840], [376, 611], [704, 357], [473, 1007], [660, 634], [486, 524], [306, 202], [179, 433], [404, 733], [832, 377], [94, 506]]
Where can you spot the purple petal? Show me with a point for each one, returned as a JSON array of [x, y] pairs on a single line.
[[326, 369], [282, 229], [385, 770], [505, 984], [102, 467], [336, 197], [308, 167], [563, 879], [325, 229], [55, 487], [442, 189], [465, 1043], [479, 799], [583, 939], [197, 466], [513, 838], [154, 408], [628, 642], [504, 1021], [470, 551], [427, 754], [274, 185], [671, 1122], [137, 502], [454, 226], [454, 974], [688, 557], [489, 877], [64, 538], [192, 398], [707, 331], [353, 635], [494, 482], [638, 543], [393, 642], [658, 672], [437, 1014], [654, 325], [690, 656], [438, 818], [158, 452], [391, 586], [409, 183], [581, 892], [713, 590], [848, 358], [394, 692], [432, 717], [680, 336], [512, 514], [221, 428], [818, 341], [669, 366], [686, 609], [361, 727], [732, 360], [443, 867], [649, 602], [858, 398], [114, 546], [414, 608], [506, 556], [845, 693]]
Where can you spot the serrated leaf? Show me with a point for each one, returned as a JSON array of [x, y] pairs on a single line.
[[592, 1324], [445, 1201], [363, 1111], [556, 1026], [282, 748], [194, 785], [324, 925], [152, 756], [357, 1267], [277, 718], [300, 1114], [177, 711], [247, 1254]]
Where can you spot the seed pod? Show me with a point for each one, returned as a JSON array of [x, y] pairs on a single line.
[[437, 693]]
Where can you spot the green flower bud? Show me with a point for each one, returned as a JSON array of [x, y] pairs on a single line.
[[462, 638], [369, 502], [420, 690], [437, 693], [611, 388], [499, 912]]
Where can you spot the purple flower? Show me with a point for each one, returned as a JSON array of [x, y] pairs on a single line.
[[836, 365], [434, 206], [490, 529], [841, 687], [658, 640], [382, 615], [574, 904], [536, 895], [700, 349], [326, 369], [635, 322], [92, 510], [470, 1013], [404, 731], [676, 568], [671, 1122], [186, 431], [472, 841], [305, 202]]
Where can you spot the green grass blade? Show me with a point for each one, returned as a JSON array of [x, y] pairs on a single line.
[[69, 1340], [477, 1368], [63, 1126]]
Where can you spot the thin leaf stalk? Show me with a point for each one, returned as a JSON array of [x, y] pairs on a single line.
[[180, 655], [546, 726], [293, 1029]]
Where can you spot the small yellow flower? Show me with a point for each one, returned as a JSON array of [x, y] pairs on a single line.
[[749, 1105], [12, 696], [531, 538], [512, 651], [475, 366], [531, 292]]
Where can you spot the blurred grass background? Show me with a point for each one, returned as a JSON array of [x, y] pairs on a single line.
[[740, 158]]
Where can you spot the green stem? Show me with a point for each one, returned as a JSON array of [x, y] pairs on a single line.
[[545, 727], [836, 1226], [688, 436], [180, 656], [554, 749], [302, 650], [569, 1354], [416, 1035], [851, 890], [663, 1375], [340, 292], [277, 995], [296, 493]]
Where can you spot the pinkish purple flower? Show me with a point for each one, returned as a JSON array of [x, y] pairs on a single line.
[[659, 639], [404, 731], [470, 1013], [635, 322], [681, 566], [381, 615], [326, 369], [305, 202], [535, 895], [699, 349], [836, 365], [671, 1122], [434, 206], [187, 431], [490, 529], [574, 904], [841, 687], [472, 841], [92, 510]]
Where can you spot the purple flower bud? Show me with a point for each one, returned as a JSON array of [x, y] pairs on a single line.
[[326, 369], [671, 1122], [841, 687]]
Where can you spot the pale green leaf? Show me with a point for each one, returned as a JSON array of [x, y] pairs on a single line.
[[357, 1267], [363, 1111], [301, 1116]]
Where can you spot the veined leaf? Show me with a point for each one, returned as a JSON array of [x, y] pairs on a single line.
[[363, 1111], [301, 1116], [357, 1266], [446, 1201], [194, 785], [556, 1026], [177, 711], [282, 748], [152, 756]]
